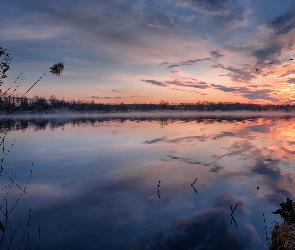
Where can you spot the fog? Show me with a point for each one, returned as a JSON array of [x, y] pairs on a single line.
[[151, 114]]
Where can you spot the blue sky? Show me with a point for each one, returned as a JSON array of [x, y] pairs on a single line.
[[146, 51]]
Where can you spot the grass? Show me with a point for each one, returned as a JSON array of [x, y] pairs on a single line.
[[283, 237], [13, 235]]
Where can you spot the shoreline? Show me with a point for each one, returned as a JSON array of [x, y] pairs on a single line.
[[151, 114]]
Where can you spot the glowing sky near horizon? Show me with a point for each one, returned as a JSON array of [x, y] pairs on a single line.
[[145, 51]]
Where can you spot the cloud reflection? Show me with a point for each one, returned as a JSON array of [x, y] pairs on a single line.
[[206, 229], [108, 196]]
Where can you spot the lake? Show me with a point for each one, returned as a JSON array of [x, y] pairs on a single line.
[[144, 182]]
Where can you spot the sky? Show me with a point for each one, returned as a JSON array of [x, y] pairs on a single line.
[[145, 51]]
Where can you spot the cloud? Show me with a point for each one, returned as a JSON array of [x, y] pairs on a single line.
[[216, 169], [172, 22], [190, 84], [189, 62], [98, 222], [268, 52], [263, 94], [272, 174], [116, 91], [279, 40], [178, 139], [235, 18], [264, 128], [216, 54], [176, 72], [229, 14], [238, 148], [154, 82], [288, 72], [277, 195], [101, 19], [159, 20], [223, 134], [231, 89], [207, 229], [289, 151], [283, 24], [106, 97], [196, 84], [173, 65], [107, 33], [192, 91], [117, 28], [270, 62], [213, 7], [186, 160], [154, 24], [192, 233], [269, 169], [263, 165], [155, 140], [291, 80], [255, 86], [236, 74]]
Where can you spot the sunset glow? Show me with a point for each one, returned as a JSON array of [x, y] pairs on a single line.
[[145, 51]]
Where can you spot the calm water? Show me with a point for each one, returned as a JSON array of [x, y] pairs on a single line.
[[144, 183]]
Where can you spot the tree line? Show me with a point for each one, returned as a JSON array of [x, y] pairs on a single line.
[[12, 104]]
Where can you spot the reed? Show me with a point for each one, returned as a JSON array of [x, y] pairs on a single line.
[[15, 235]]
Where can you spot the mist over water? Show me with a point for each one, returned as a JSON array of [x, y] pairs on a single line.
[[151, 181], [148, 114], [53, 120]]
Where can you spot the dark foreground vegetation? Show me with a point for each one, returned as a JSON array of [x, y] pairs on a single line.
[[13, 104], [283, 235]]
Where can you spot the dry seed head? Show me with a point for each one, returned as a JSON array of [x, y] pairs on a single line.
[[57, 68]]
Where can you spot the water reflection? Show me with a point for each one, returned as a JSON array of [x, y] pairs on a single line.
[[41, 122], [143, 183]]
